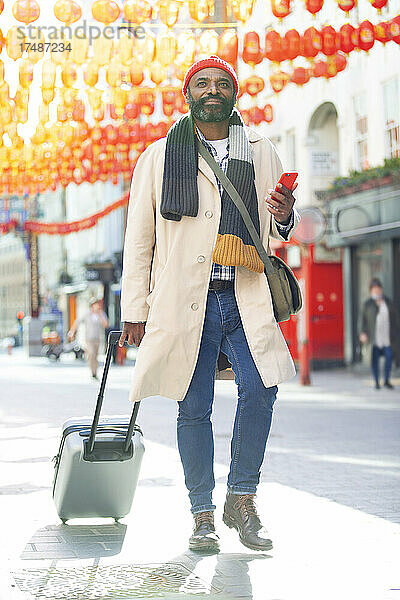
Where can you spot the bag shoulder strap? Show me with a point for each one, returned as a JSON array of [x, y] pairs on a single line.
[[235, 197]]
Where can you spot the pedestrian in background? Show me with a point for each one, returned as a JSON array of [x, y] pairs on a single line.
[[193, 285], [380, 327], [95, 321]]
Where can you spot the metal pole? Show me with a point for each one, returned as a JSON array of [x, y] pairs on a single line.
[[34, 279], [304, 355]]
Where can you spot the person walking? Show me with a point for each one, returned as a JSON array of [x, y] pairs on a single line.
[[380, 327], [193, 285], [95, 321]]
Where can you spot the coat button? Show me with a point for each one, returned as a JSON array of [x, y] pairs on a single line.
[[209, 214], [194, 306], [201, 258]]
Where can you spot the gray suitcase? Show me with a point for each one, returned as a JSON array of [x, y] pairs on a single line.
[[98, 462]]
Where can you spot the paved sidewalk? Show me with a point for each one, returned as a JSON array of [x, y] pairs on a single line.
[[322, 549]]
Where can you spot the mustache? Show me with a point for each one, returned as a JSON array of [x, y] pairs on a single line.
[[219, 98]]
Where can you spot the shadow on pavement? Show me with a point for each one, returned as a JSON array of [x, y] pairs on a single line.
[[75, 541], [227, 574]]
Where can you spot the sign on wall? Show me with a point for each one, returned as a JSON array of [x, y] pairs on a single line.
[[324, 162]]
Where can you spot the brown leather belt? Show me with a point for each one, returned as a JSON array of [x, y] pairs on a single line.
[[220, 284]]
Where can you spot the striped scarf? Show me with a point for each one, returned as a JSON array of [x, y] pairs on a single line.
[[180, 196]]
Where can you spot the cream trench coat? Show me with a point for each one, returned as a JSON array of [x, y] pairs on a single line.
[[167, 268]]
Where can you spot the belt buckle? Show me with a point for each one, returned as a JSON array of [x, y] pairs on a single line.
[[220, 284]]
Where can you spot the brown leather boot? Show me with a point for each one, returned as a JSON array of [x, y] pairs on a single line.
[[204, 537], [240, 512]]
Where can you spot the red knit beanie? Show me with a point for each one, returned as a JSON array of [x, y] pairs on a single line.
[[212, 61]]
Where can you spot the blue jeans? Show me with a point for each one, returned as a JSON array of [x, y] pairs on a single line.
[[223, 330], [386, 351]]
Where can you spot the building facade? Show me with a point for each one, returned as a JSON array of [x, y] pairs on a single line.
[[13, 284], [329, 128]]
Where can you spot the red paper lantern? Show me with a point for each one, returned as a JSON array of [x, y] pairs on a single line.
[[25, 73], [365, 36], [123, 133], [378, 4], [382, 32], [346, 5], [146, 102], [340, 61], [319, 68], [105, 11], [26, 11], [137, 11], [78, 111], [69, 74], [280, 8], [278, 80], [181, 104], [300, 76], [91, 73], [168, 11], [311, 43], [67, 11], [111, 134], [293, 42], [346, 38], [329, 40], [275, 47], [131, 111], [137, 75], [331, 70], [252, 53], [255, 115], [268, 113], [254, 85], [314, 6], [394, 28], [168, 100], [228, 46]]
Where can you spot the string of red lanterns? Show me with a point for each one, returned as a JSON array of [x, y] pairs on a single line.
[[39, 227], [141, 11], [69, 151]]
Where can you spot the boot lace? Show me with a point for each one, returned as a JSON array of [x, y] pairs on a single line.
[[245, 504], [204, 517]]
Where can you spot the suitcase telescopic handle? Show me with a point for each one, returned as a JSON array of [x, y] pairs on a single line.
[[113, 338]]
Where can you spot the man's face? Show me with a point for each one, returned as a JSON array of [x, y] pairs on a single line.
[[376, 292], [211, 95]]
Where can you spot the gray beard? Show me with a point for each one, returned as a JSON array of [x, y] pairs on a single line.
[[211, 114]]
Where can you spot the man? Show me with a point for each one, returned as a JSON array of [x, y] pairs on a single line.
[[95, 321], [193, 285], [380, 327]]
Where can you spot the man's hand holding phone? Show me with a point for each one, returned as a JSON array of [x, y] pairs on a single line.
[[280, 200]]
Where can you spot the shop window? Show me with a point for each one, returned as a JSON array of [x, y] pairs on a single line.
[[361, 133], [392, 118]]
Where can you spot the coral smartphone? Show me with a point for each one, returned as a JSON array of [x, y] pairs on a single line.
[[287, 179]]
